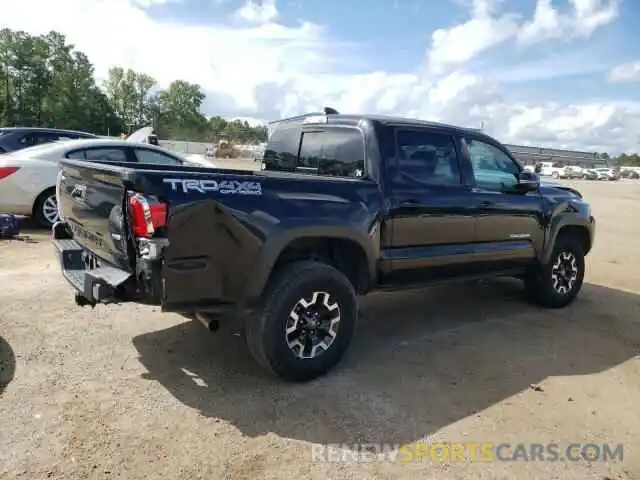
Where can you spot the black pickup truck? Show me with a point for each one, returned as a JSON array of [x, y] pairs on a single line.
[[344, 205]]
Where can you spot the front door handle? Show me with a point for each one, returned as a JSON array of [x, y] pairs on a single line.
[[486, 203]]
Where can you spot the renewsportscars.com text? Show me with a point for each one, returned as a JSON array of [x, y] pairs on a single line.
[[468, 452]]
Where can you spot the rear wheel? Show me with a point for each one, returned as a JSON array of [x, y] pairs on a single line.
[[557, 283], [306, 321], [45, 209]]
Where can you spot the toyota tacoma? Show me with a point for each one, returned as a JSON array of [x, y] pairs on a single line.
[[345, 205]]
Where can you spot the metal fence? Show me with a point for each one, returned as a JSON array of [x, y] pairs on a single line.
[[199, 148]]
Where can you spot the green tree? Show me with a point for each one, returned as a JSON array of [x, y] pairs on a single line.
[[129, 93], [240, 131], [179, 113], [45, 81]]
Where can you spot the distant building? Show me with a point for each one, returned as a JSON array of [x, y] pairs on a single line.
[[531, 155]]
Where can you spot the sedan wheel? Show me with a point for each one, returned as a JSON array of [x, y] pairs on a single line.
[[46, 209]]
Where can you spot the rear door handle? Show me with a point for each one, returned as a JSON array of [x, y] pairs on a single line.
[[409, 203], [486, 203]]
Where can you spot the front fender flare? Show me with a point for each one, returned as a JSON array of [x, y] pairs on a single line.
[[560, 221]]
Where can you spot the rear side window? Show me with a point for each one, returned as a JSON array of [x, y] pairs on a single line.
[[152, 157], [336, 152], [100, 155], [426, 158]]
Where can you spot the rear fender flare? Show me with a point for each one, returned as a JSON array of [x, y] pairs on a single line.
[[273, 248]]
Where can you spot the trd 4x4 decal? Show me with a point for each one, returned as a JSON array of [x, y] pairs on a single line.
[[233, 187]]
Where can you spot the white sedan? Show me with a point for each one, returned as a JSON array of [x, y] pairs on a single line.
[[28, 176]]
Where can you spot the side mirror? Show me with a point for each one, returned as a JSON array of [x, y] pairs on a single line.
[[528, 181]]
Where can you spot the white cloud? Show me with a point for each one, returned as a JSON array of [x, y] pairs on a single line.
[[486, 29], [626, 73], [585, 17], [263, 11], [264, 70], [150, 3], [460, 43]]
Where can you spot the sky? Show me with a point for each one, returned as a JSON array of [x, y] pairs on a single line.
[[557, 73]]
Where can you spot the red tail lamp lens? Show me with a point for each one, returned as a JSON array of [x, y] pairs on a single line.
[[6, 171], [146, 216]]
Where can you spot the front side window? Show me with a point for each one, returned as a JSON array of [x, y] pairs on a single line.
[[492, 168], [336, 152], [28, 140], [152, 157], [426, 158], [38, 138]]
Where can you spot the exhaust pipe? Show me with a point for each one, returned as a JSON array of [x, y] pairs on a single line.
[[211, 324]]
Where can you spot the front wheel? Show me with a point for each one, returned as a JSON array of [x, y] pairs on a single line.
[[557, 283], [305, 323], [45, 209]]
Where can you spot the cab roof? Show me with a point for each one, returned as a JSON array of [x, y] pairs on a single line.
[[44, 129], [350, 119]]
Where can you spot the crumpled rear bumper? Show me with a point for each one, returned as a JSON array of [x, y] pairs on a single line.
[[94, 281]]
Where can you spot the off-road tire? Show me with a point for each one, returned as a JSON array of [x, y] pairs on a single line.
[[265, 327], [38, 213], [539, 282]]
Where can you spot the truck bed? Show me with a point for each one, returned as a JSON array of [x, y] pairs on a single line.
[[219, 221]]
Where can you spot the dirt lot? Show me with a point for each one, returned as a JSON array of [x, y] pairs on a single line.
[[128, 392]]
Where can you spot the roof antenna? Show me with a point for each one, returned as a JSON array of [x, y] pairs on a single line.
[[330, 111]]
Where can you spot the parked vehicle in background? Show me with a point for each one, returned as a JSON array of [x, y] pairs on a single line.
[[574, 171], [554, 169], [607, 173], [347, 204], [630, 173], [226, 147], [17, 138], [590, 174], [28, 176]]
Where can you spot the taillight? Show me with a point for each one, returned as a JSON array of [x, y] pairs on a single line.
[[146, 215], [6, 171]]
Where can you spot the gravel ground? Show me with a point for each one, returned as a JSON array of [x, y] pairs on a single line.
[[128, 392]]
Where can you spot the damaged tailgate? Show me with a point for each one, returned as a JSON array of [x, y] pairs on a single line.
[[92, 239]]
